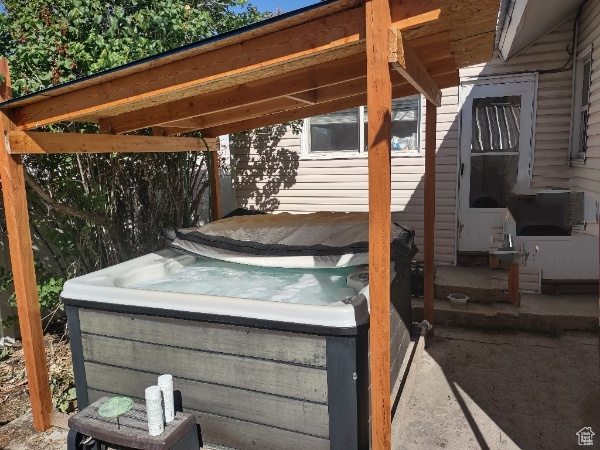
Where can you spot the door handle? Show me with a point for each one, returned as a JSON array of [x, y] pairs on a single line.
[[462, 169]]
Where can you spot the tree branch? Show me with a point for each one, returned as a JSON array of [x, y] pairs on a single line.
[[65, 209]]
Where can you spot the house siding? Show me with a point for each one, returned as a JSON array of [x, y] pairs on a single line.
[[587, 177], [274, 176]]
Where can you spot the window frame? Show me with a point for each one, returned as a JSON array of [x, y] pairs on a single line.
[[361, 153], [582, 58]]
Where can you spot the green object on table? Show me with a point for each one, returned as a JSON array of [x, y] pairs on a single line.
[[115, 407]]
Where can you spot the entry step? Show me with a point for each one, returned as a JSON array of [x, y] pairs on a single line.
[[545, 313]]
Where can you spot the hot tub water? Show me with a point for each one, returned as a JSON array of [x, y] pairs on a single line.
[[213, 277]]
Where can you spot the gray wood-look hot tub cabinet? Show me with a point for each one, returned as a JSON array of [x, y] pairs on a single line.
[[250, 383]]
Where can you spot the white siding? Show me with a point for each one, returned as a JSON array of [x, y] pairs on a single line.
[[553, 114], [587, 177], [275, 177]]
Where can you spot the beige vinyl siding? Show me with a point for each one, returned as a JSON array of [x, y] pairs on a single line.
[[276, 177], [553, 109], [587, 177]]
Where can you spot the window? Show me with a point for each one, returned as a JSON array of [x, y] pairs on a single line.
[[581, 97], [344, 133], [494, 150]]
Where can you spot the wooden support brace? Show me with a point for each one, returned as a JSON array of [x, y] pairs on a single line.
[[21, 256], [215, 186], [429, 212], [379, 102], [28, 142], [404, 60]]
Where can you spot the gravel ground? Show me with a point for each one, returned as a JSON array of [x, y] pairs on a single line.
[[14, 395], [503, 390]]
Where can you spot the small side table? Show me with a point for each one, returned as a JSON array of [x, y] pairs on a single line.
[[180, 434]]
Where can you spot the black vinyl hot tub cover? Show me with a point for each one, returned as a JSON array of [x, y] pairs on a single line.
[[317, 240]]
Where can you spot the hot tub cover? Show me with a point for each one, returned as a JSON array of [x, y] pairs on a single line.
[[318, 240]]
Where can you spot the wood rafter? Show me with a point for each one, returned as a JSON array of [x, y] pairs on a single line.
[[26, 142], [320, 75], [323, 83], [273, 106], [328, 99], [304, 84], [404, 60], [398, 91]]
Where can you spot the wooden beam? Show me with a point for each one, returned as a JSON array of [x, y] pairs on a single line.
[[414, 12], [447, 80], [28, 142], [323, 94], [308, 44], [429, 211], [214, 180], [333, 93], [320, 75], [334, 77], [21, 257], [379, 102], [272, 106], [283, 106], [404, 60]]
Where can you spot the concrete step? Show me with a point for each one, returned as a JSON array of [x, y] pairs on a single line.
[[481, 284], [545, 313]]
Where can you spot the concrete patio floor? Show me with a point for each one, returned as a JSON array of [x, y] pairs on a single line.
[[473, 389], [502, 390]]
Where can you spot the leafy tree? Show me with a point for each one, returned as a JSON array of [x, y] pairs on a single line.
[[89, 211], [50, 42]]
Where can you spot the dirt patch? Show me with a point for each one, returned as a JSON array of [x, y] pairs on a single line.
[[14, 393]]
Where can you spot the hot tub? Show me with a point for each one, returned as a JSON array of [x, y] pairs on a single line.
[[267, 358]]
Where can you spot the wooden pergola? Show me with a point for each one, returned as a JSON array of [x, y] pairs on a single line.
[[324, 58]]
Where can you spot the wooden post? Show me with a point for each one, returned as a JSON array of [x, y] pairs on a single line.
[[429, 213], [215, 185], [21, 256], [513, 284], [379, 102]]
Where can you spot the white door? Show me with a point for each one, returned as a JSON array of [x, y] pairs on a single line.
[[495, 156]]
